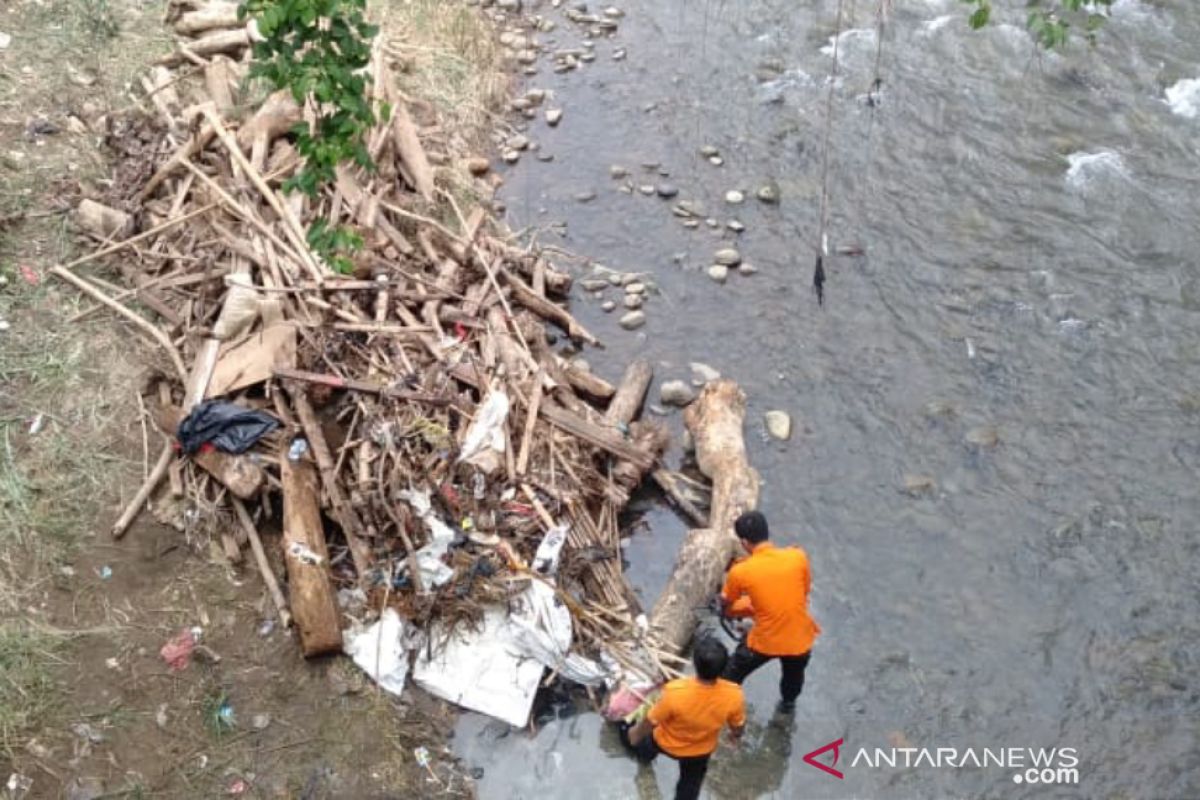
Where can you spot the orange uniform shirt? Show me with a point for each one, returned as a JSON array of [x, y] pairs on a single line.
[[777, 581], [689, 715]]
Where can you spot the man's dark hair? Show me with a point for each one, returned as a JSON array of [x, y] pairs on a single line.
[[709, 656], [751, 526]]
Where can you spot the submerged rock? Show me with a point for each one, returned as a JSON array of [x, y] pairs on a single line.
[[769, 193], [703, 373], [734, 197], [633, 301], [918, 484], [718, 272], [633, 320], [616, 172], [676, 393], [983, 436], [779, 425], [553, 116], [708, 151], [667, 190], [727, 257]]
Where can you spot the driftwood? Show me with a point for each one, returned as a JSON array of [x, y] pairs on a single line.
[[313, 605], [264, 566], [207, 17], [715, 421]]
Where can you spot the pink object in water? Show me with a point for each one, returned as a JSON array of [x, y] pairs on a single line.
[[626, 700]]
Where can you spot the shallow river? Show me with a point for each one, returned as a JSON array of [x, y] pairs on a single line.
[[1031, 270]]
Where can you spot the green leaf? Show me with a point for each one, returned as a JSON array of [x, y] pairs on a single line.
[[980, 17]]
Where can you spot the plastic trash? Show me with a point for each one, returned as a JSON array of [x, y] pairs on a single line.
[[178, 651], [105, 572], [483, 444], [298, 449], [381, 650], [226, 426], [434, 572]]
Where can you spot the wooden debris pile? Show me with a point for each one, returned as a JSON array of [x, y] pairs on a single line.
[[430, 369]]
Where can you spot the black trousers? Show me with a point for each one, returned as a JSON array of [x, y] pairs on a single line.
[[691, 769], [744, 661]]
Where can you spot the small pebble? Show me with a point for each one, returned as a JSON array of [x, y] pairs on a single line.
[[608, 305], [666, 190], [636, 287], [718, 272], [511, 156], [617, 172], [779, 425], [708, 151], [727, 256], [646, 189], [716, 161], [633, 301], [747, 269], [585, 196], [735, 226], [553, 116], [734, 197]]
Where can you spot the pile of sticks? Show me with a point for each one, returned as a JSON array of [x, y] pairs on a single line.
[[378, 378]]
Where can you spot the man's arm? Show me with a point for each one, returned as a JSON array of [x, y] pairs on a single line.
[[640, 731], [731, 591], [737, 722]]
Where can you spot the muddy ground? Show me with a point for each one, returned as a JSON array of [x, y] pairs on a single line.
[[88, 708]]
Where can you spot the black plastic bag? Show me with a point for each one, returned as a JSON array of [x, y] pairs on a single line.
[[228, 427]]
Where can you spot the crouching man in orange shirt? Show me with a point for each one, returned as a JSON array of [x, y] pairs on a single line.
[[687, 719], [776, 582]]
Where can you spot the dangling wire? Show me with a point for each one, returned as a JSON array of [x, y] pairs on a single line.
[[874, 95], [822, 243]]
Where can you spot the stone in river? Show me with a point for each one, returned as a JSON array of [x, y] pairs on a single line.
[[636, 287], [716, 161], [703, 373], [633, 301], [535, 96], [509, 5], [769, 193], [646, 189], [691, 223], [518, 142], [708, 151], [734, 197], [616, 278], [586, 196], [676, 393], [747, 269], [667, 190], [619, 54], [541, 156], [527, 57], [735, 226], [608, 305], [478, 165], [613, 12], [633, 320], [511, 156], [727, 257], [553, 116], [594, 284], [779, 425], [918, 484], [616, 172], [718, 272], [983, 436]]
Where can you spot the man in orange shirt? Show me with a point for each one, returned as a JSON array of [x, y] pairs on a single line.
[[776, 582], [687, 719]]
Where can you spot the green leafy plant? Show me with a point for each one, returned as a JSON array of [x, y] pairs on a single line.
[[1050, 21], [320, 48]]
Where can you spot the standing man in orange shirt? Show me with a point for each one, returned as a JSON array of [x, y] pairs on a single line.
[[776, 582], [687, 719]]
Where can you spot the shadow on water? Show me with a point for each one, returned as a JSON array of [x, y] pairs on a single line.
[[1023, 331]]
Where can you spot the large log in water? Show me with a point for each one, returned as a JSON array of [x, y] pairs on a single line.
[[715, 420]]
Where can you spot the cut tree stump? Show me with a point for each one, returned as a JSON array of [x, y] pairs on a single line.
[[715, 421], [310, 591]]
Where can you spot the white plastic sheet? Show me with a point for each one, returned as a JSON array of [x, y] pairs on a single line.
[[381, 650], [496, 669], [434, 571], [483, 445]]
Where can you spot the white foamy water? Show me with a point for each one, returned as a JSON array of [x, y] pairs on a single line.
[[936, 24], [846, 38], [1082, 167], [1184, 98]]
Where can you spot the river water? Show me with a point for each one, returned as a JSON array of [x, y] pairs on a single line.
[[1031, 271]]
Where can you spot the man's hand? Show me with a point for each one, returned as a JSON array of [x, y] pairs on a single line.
[[735, 736]]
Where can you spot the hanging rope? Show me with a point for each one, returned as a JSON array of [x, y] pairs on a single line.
[[822, 244], [874, 96]]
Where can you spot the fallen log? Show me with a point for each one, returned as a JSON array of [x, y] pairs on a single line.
[[208, 17], [715, 421], [313, 605], [222, 41]]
